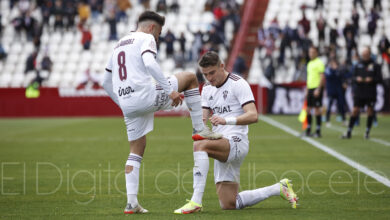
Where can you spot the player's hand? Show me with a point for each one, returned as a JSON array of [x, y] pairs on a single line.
[[359, 79], [368, 79], [176, 99], [317, 92], [216, 120]]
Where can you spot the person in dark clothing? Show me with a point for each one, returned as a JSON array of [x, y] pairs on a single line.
[[366, 75], [31, 62], [373, 17], [384, 49], [334, 34], [378, 5], [239, 66], [319, 4], [169, 40], [334, 89], [182, 42], [355, 21], [355, 2]]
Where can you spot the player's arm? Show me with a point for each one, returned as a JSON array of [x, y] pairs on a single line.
[[107, 85], [154, 69], [206, 114], [250, 116], [317, 91]]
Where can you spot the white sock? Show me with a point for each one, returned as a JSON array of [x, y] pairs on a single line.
[[132, 179], [201, 168], [194, 104], [252, 197]]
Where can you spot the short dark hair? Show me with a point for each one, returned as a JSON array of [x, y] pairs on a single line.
[[210, 58], [152, 16]]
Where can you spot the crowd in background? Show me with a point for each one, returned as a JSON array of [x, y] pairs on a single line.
[[35, 16], [280, 39]]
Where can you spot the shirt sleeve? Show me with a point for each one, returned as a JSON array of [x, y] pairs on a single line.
[[109, 65], [321, 67], [243, 92], [149, 45]]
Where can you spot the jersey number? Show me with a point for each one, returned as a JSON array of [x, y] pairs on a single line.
[[122, 67]]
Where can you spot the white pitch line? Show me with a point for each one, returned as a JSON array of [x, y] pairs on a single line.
[[330, 151], [380, 141], [376, 140]]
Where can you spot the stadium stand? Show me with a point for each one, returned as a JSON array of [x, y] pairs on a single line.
[[288, 13], [63, 44]]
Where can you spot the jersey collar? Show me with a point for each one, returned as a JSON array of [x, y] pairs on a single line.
[[227, 77]]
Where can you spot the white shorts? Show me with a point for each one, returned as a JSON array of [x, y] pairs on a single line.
[[230, 170], [143, 123]]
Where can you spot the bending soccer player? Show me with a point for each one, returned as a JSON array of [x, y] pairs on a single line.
[[229, 99], [128, 81]]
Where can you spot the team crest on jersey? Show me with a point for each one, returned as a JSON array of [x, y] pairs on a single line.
[[152, 45], [211, 98], [225, 93]]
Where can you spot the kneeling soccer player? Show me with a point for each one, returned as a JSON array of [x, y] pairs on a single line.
[[230, 100]]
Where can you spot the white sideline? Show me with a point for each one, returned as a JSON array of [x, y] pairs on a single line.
[[330, 151], [376, 140]]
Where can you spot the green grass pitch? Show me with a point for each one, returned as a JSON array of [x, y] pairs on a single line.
[[73, 168]]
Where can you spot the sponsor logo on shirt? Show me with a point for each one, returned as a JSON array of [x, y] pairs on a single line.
[[125, 91], [222, 109]]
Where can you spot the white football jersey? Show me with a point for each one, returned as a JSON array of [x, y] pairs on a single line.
[[131, 82], [227, 101]]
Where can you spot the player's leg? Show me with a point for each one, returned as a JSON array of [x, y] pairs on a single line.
[[370, 119], [318, 113], [217, 149], [137, 128], [133, 164], [328, 109], [227, 193], [188, 83], [309, 119], [252, 197], [352, 119]]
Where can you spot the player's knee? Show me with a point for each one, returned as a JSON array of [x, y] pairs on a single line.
[[227, 205], [128, 169], [199, 146]]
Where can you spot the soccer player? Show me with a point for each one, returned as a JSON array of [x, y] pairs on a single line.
[[128, 81], [314, 89], [366, 75], [228, 103]]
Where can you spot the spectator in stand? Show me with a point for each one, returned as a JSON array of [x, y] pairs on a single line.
[[378, 5], [240, 66], [319, 4], [348, 29], [110, 13], [70, 14], [197, 45], [334, 34], [96, 7], [384, 49], [58, 13], [355, 2], [284, 43], [46, 63], [350, 44], [355, 20], [31, 62], [321, 25], [174, 7], [3, 53], [372, 19], [123, 6], [161, 6], [274, 28], [334, 89], [29, 24], [86, 36], [84, 11], [46, 9], [182, 41], [304, 23], [261, 37], [169, 40]]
